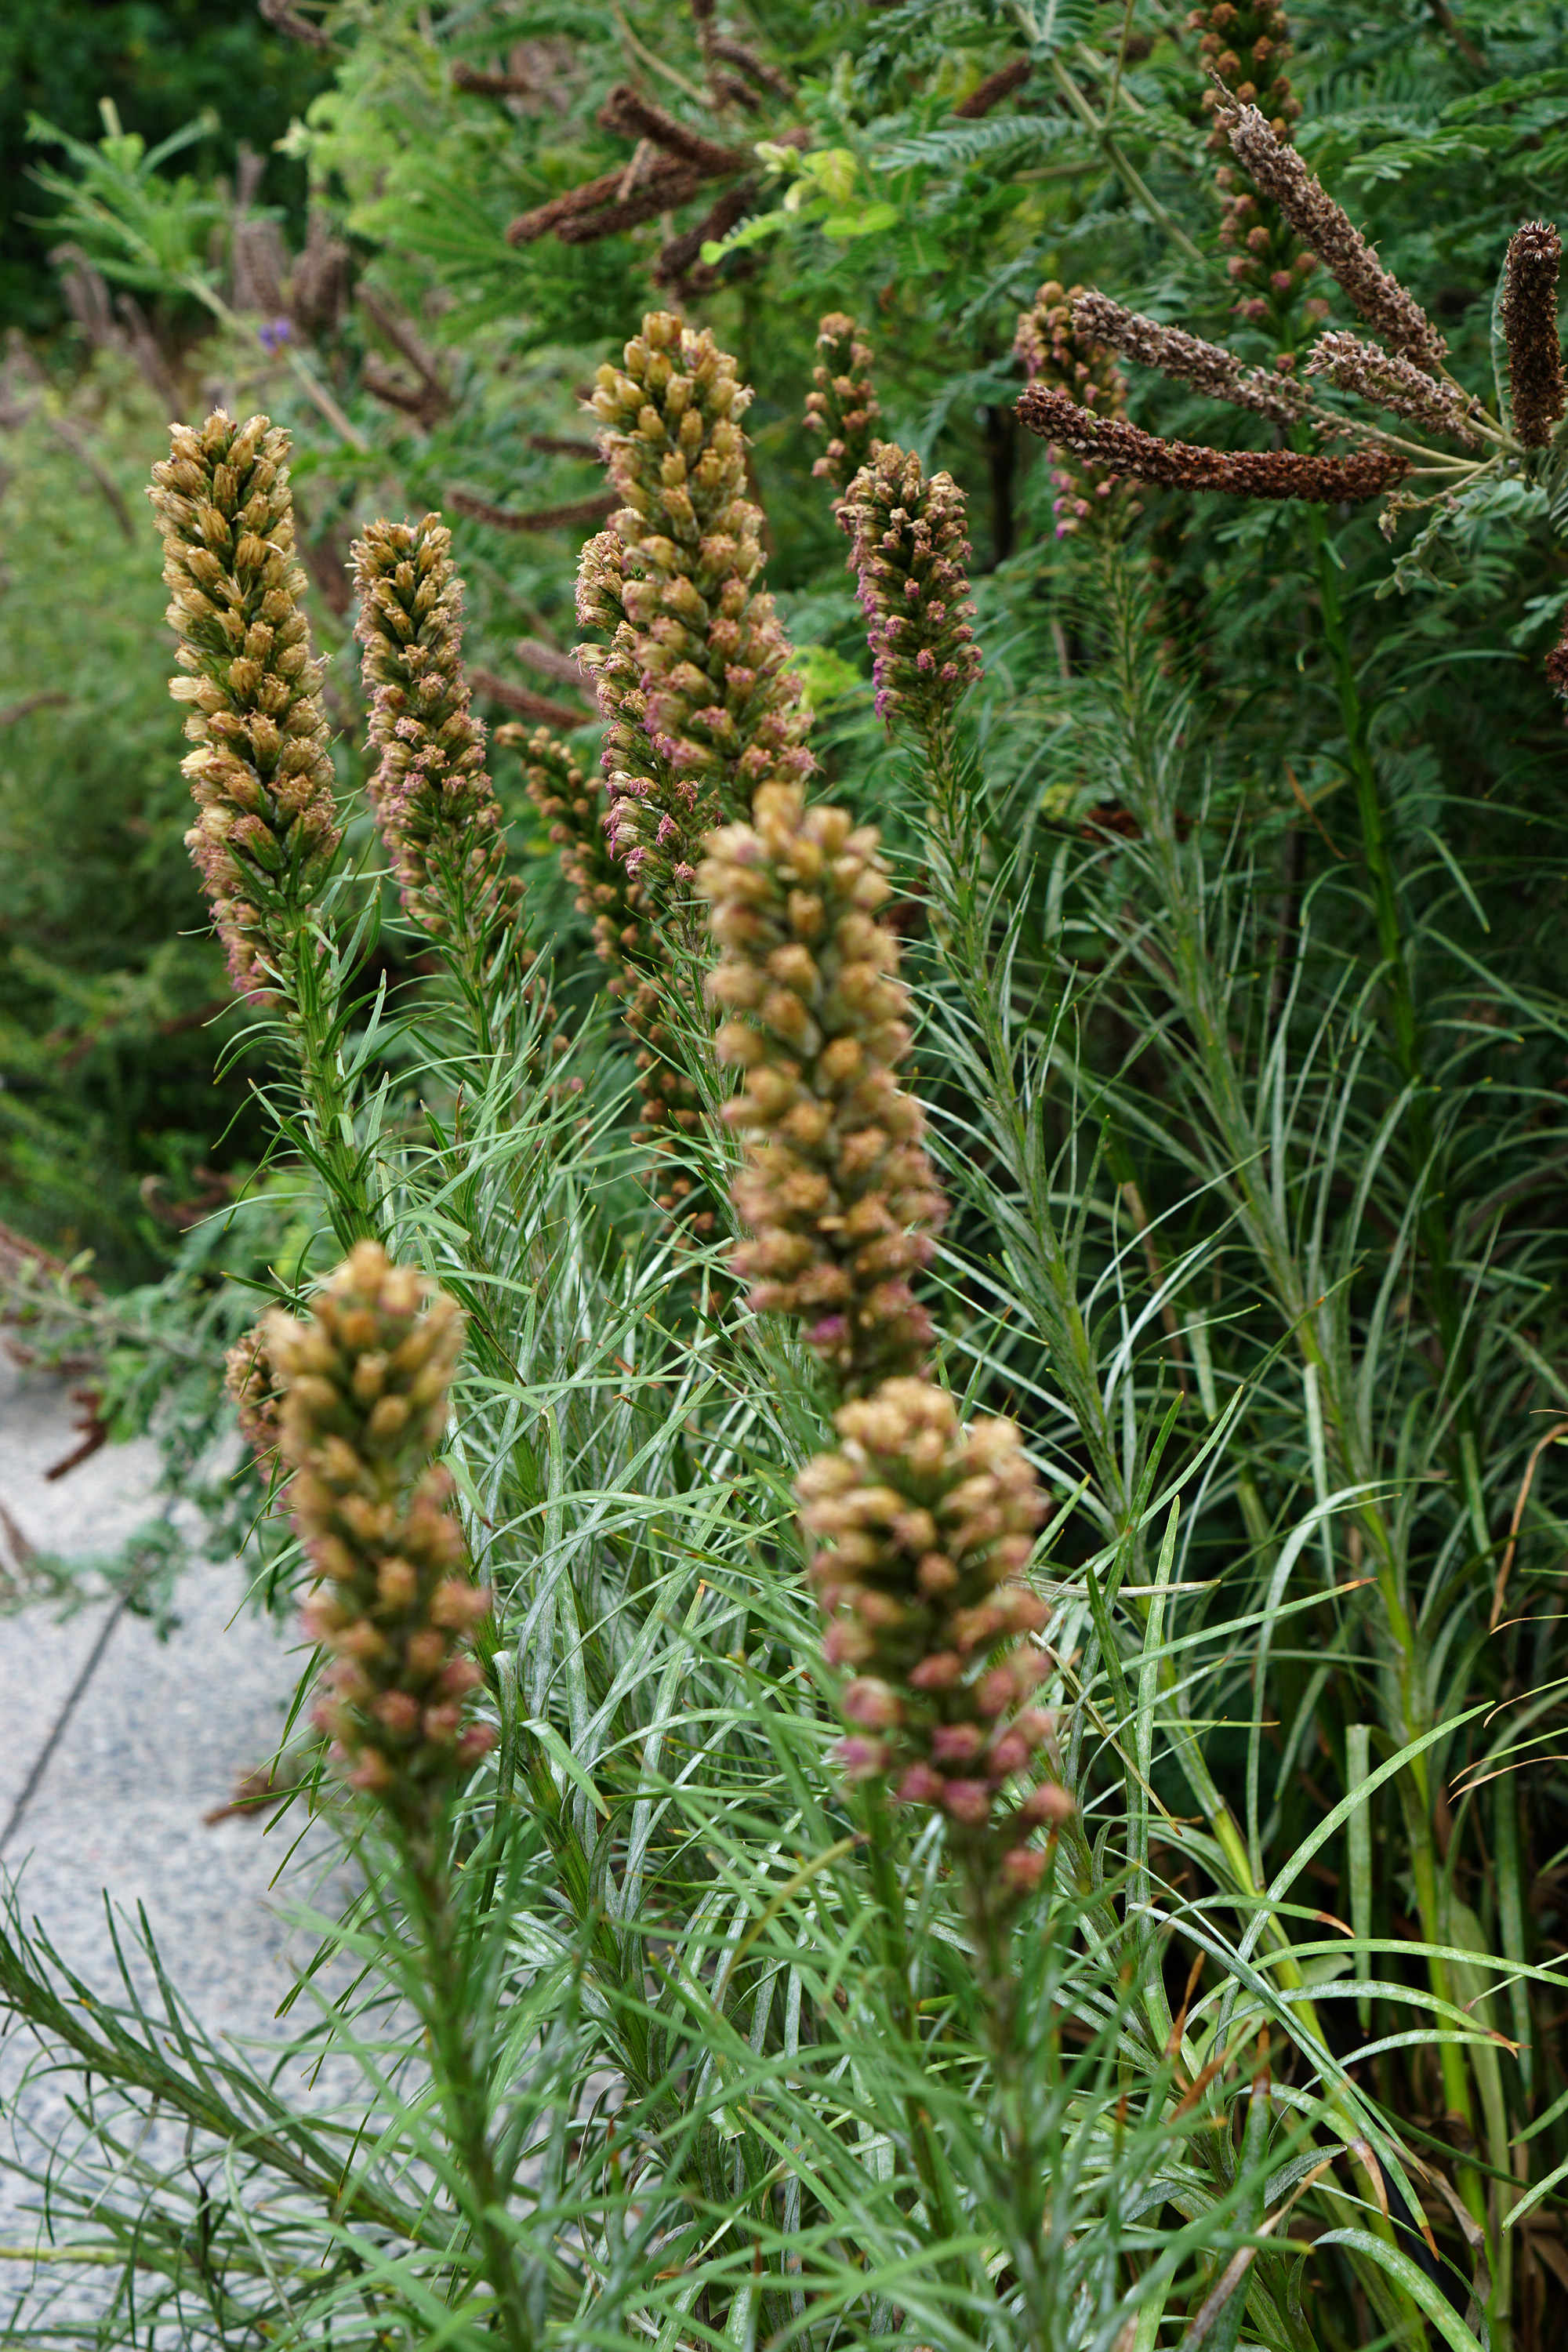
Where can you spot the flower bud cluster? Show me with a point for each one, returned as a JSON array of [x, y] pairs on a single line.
[[1054, 346], [623, 934], [704, 651], [1248, 47], [437, 813], [844, 406], [910, 550], [261, 773], [250, 1378], [836, 1187], [365, 1385], [921, 1528]]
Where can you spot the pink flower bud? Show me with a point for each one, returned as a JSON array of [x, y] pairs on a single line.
[[871, 1704], [968, 1802]]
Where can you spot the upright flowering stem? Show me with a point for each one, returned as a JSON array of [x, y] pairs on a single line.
[[267, 835], [908, 530], [921, 1527], [698, 707], [1248, 47], [365, 1384], [909, 546], [434, 803]]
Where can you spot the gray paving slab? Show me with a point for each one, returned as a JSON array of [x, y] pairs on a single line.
[[160, 1738]]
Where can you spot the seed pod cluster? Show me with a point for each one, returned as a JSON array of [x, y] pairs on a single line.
[[261, 771], [1536, 393], [364, 1384]]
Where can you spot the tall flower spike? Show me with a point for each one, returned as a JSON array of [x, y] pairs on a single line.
[[433, 800], [909, 553], [922, 1529], [844, 404], [365, 1384], [1057, 349], [836, 1186], [1530, 324], [718, 710], [1186, 465], [261, 773], [1386, 306], [1186, 359]]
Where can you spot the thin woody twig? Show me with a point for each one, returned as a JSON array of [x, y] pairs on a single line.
[[537, 707], [576, 512]]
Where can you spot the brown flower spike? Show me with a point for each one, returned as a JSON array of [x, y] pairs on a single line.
[[1530, 324], [261, 773], [701, 649], [1186, 465], [836, 1187], [1186, 359], [365, 1385], [1386, 381], [1278, 172]]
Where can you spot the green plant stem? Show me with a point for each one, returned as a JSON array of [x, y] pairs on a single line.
[[307, 968], [889, 1890], [1404, 1021], [1406, 1039], [462, 2092]]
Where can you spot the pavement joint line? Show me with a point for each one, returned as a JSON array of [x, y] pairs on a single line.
[[41, 1762], [31, 1785]]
